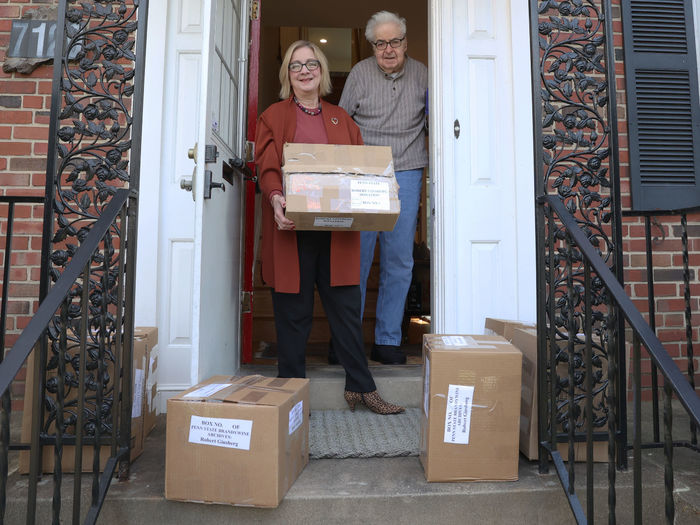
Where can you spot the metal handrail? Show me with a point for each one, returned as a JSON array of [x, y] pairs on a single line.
[[30, 335], [681, 387]]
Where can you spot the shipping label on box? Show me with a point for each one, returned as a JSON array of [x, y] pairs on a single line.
[[469, 426], [337, 187], [253, 426]]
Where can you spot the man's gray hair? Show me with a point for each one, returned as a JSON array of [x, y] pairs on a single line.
[[384, 17]]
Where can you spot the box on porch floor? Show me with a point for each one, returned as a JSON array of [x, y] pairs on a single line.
[[237, 440], [526, 341], [471, 407]]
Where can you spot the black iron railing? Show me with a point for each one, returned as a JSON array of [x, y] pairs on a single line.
[[80, 321], [588, 309], [651, 222]]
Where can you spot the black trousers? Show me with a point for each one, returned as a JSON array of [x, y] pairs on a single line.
[[294, 315]]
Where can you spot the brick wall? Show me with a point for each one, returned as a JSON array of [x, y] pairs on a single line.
[[25, 101], [666, 248]]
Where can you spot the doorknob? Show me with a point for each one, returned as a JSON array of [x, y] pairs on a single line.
[[187, 183], [192, 153]]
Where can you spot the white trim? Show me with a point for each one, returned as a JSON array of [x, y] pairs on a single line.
[[146, 307], [165, 392], [439, 31], [524, 162]]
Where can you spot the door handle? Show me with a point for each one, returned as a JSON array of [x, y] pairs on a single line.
[[209, 185], [457, 128]]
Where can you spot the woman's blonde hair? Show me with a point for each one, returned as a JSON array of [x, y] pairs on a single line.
[[324, 87]]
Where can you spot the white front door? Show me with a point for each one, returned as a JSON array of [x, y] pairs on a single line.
[[483, 253], [196, 94], [218, 215]]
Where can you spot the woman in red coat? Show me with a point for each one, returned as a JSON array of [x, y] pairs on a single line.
[[293, 262]]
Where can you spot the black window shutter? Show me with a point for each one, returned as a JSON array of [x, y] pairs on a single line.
[[663, 104]]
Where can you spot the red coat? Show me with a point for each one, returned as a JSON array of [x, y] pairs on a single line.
[[280, 258]]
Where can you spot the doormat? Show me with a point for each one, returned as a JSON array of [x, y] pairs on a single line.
[[343, 434]]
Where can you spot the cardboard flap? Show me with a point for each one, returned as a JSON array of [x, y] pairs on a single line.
[[253, 389], [331, 158], [468, 343]]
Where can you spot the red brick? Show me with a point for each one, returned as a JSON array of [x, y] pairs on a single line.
[[9, 11], [33, 102], [32, 258], [39, 179], [20, 242], [674, 320], [44, 87], [15, 148], [41, 148], [18, 274], [14, 179], [5, 132], [28, 227], [35, 274], [23, 290], [22, 87], [28, 163], [31, 132]]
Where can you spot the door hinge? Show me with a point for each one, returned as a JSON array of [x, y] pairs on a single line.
[[249, 151], [246, 302], [255, 10]]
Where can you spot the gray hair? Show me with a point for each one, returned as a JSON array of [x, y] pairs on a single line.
[[384, 17]]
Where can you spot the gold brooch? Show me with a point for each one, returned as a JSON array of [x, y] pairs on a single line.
[[334, 121]]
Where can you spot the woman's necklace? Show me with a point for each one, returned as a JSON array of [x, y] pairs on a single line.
[[312, 112]]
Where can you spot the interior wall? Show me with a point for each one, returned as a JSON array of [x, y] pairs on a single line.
[[314, 13]]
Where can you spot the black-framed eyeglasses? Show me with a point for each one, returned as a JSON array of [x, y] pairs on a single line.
[[394, 42], [311, 65]]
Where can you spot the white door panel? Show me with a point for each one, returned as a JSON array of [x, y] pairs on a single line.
[[476, 252], [199, 240]]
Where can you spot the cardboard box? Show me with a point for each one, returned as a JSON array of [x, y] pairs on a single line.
[[505, 327], [68, 458], [526, 342], [471, 393], [332, 187], [148, 336], [237, 440]]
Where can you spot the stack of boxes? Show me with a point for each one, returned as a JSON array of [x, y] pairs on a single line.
[[145, 352]]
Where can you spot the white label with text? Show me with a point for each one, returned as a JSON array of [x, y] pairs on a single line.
[[458, 414], [296, 416], [333, 222], [220, 432], [369, 194]]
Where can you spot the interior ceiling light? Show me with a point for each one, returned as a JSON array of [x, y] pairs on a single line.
[[323, 41]]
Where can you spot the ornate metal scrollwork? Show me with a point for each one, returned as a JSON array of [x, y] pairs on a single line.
[[93, 140], [576, 142]]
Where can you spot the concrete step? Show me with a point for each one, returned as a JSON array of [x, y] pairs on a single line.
[[401, 384], [383, 490]]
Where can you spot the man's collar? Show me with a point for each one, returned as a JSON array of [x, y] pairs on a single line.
[[395, 75]]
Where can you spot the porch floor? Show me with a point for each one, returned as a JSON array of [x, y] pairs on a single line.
[[383, 490]]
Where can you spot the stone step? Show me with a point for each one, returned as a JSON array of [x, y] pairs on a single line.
[[400, 384], [379, 490]]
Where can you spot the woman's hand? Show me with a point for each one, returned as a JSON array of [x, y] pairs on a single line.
[[278, 204]]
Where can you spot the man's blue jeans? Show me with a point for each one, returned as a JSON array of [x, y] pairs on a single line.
[[395, 260]]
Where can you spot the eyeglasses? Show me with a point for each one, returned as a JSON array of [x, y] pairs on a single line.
[[394, 42], [311, 65]]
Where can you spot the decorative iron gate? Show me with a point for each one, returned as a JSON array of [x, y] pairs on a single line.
[[82, 364]]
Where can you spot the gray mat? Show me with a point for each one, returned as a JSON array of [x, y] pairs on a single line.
[[363, 434]]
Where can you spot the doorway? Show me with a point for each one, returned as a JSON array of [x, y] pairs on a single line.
[[340, 33]]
